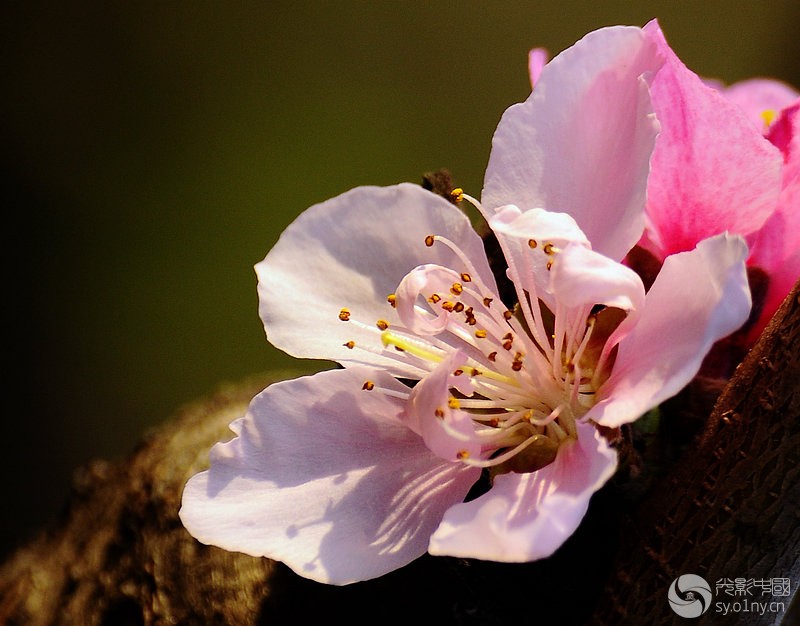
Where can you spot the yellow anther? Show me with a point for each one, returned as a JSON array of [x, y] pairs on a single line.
[[549, 248], [466, 277], [368, 385], [457, 289], [462, 454], [768, 115], [429, 240], [392, 299], [480, 333], [382, 324], [350, 344], [453, 402], [435, 297], [448, 306], [507, 314], [457, 194], [344, 315], [532, 243], [549, 265], [487, 301]]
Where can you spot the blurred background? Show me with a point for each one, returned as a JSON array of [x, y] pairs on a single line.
[[155, 151]]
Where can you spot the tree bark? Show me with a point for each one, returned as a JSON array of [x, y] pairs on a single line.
[[729, 508]]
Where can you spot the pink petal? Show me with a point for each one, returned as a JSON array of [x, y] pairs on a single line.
[[581, 277], [698, 298], [757, 95], [537, 59], [582, 141], [711, 169], [324, 477], [351, 252], [528, 516], [452, 432], [776, 250]]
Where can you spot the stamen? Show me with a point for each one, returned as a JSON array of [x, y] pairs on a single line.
[[457, 289], [503, 457], [368, 385], [532, 244], [457, 195], [466, 277], [382, 324], [350, 344], [392, 299], [344, 315], [391, 339], [435, 298], [452, 402], [480, 334], [429, 240]]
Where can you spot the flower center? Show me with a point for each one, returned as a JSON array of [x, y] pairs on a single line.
[[520, 379]]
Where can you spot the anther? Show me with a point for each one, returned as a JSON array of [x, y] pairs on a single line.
[[429, 240], [344, 315], [507, 315], [458, 307], [368, 385], [457, 195], [466, 277], [487, 301], [439, 413], [532, 243], [392, 299], [382, 324], [448, 306], [456, 289], [350, 345], [453, 402], [516, 366], [492, 356], [435, 297], [480, 333], [458, 372], [462, 454], [548, 248], [549, 265]]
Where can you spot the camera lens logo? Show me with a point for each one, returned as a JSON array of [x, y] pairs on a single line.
[[689, 595]]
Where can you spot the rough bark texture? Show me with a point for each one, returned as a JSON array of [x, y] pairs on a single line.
[[729, 508]]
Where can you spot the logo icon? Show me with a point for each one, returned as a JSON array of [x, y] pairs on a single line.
[[689, 595]]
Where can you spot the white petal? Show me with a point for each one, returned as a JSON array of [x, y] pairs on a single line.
[[698, 298], [582, 141], [351, 252], [324, 477], [525, 517]]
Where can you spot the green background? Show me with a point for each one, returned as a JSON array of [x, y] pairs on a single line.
[[154, 152]]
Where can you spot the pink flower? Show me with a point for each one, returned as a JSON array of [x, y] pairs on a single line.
[[727, 159], [354, 472]]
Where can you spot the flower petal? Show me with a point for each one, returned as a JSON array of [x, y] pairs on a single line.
[[761, 99], [447, 431], [350, 253], [537, 59], [525, 517], [776, 250], [581, 277], [711, 169], [324, 477], [582, 141], [698, 298]]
